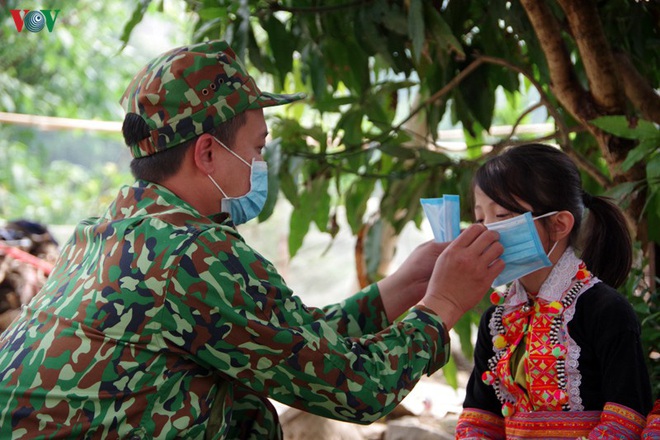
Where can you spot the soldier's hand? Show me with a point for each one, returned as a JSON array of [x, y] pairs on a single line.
[[463, 273]]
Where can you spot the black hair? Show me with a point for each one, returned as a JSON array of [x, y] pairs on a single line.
[[547, 179], [158, 167]]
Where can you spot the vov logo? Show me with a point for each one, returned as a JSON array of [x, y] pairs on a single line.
[[34, 21]]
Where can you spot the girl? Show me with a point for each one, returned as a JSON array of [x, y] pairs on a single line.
[[559, 353]]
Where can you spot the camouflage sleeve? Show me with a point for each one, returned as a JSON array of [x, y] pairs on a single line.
[[360, 314], [229, 310], [252, 417]]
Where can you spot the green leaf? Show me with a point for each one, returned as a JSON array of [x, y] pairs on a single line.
[[416, 27], [394, 18], [239, 37], [321, 202], [254, 52], [474, 143], [356, 198], [351, 123], [298, 227], [653, 168], [645, 147], [372, 248], [619, 192], [138, 15], [367, 32], [400, 203], [479, 96], [211, 13], [273, 156], [463, 329], [316, 65], [441, 32], [332, 104], [621, 126], [399, 151], [314, 205], [641, 308], [450, 373], [654, 216], [289, 189], [281, 44], [431, 158]]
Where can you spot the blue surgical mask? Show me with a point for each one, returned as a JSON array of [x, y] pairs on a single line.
[[444, 215], [249, 205], [523, 251]]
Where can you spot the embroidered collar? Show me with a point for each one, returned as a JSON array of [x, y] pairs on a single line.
[[553, 287], [540, 327]]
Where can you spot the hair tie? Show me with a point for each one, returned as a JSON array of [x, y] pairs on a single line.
[[587, 198]]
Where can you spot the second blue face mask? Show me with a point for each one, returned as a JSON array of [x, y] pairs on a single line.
[[523, 251], [444, 215], [250, 204]]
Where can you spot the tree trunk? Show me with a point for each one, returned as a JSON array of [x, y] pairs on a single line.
[[606, 94]]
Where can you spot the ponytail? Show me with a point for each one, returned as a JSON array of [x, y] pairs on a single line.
[[606, 244]]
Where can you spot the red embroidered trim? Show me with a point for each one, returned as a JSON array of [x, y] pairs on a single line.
[[551, 424], [476, 423], [620, 421]]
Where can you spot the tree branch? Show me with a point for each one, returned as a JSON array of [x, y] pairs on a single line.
[[637, 89], [596, 54], [567, 89], [591, 169], [507, 139], [522, 116], [564, 83]]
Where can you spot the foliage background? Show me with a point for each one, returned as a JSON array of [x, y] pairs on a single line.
[[383, 76], [77, 71]]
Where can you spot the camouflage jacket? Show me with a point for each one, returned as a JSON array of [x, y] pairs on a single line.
[[158, 322]]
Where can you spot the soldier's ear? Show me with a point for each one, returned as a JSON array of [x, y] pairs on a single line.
[[204, 151]]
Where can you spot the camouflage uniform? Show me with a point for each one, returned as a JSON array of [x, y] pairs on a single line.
[[158, 322]]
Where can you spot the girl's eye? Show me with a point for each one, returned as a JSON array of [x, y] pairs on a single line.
[[479, 220], [508, 214]]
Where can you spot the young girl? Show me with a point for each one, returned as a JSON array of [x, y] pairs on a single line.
[[559, 353]]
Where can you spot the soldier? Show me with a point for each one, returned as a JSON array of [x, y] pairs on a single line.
[[160, 321]]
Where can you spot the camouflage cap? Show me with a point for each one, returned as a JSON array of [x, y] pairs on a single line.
[[189, 90]]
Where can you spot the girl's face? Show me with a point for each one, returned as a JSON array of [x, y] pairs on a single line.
[[487, 211]]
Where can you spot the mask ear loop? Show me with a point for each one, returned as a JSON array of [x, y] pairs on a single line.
[[556, 242], [545, 215], [217, 186], [231, 151]]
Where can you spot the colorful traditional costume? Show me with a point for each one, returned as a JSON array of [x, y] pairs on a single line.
[[652, 430], [564, 363]]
